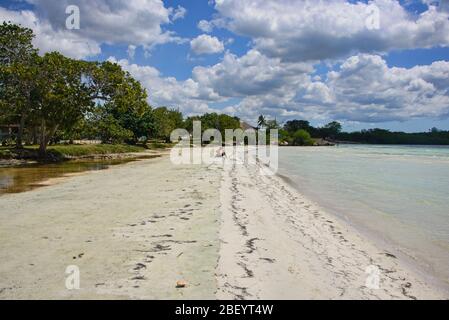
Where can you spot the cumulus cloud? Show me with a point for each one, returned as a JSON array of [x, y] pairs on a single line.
[[179, 13], [251, 74], [363, 88], [263, 83], [131, 51], [187, 95], [298, 30], [205, 44], [205, 26], [48, 39], [287, 32], [131, 22], [366, 89]]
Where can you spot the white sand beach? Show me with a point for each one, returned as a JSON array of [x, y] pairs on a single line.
[[134, 230], [277, 244]]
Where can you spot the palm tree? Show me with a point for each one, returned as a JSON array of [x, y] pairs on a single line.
[[261, 122]]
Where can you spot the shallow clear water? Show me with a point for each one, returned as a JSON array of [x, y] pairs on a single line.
[[399, 194]]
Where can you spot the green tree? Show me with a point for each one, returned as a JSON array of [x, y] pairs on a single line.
[[188, 123], [109, 130], [434, 130], [272, 124], [15, 44], [295, 125], [301, 138], [221, 122], [122, 112], [331, 130], [140, 124], [18, 70], [227, 122], [165, 121], [62, 98]]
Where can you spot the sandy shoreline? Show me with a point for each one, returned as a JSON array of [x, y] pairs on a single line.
[[277, 244], [136, 229], [7, 163]]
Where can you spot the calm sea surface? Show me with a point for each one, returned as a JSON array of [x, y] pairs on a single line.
[[398, 194]]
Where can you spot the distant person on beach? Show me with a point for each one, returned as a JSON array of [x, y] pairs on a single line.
[[221, 153]]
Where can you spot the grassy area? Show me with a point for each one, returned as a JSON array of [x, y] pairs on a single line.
[[6, 153], [60, 152], [159, 145], [95, 149]]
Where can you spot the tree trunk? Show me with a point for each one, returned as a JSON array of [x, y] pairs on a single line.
[[52, 133], [43, 142], [19, 142], [46, 136], [35, 139]]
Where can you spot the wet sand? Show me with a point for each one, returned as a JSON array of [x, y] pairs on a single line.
[[18, 176], [277, 244]]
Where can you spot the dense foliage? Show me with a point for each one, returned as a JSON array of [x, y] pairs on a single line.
[[300, 132], [221, 122], [50, 98], [53, 97]]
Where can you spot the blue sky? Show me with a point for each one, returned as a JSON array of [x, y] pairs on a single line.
[[316, 60]]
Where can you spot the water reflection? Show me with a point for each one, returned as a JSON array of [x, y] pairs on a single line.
[[28, 177]]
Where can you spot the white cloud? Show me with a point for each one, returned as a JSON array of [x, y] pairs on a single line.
[[131, 22], [366, 89], [298, 30], [205, 26], [179, 13], [48, 39], [131, 51], [251, 74], [136, 22], [362, 89], [205, 44], [187, 95]]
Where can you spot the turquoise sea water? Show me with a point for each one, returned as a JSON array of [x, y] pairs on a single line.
[[398, 194]]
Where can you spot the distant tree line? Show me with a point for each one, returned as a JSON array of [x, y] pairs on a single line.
[[382, 136], [300, 132]]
